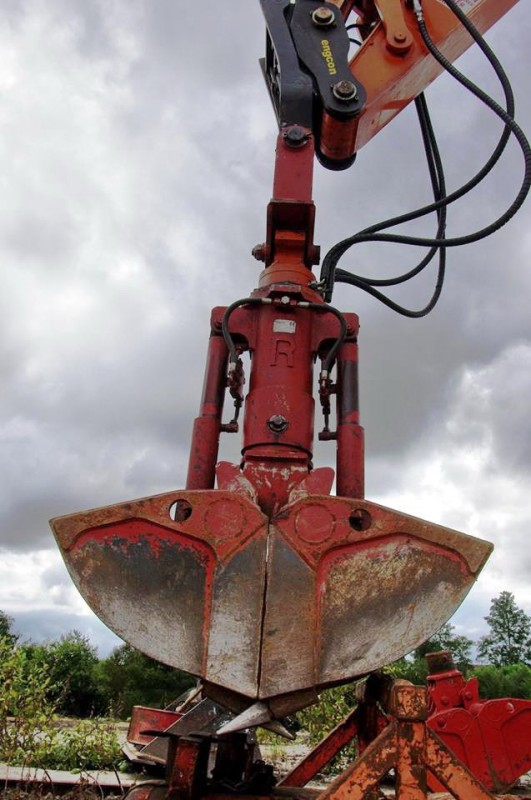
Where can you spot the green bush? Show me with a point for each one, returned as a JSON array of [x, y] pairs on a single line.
[[319, 719], [26, 713], [72, 665], [29, 732], [513, 680], [88, 744], [129, 678]]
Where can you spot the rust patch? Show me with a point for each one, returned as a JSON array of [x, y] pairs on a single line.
[[378, 600]]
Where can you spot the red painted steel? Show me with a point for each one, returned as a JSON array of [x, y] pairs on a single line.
[[350, 438], [289, 250], [267, 587], [230, 583], [492, 737], [144, 719], [186, 767], [207, 426]]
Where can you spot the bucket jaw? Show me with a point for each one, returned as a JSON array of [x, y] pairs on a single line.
[[324, 591]]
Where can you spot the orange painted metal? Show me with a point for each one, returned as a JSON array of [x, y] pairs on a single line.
[[393, 79], [411, 749], [492, 738], [362, 726], [323, 752]]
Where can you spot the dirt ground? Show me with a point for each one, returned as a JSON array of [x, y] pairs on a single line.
[[79, 793]]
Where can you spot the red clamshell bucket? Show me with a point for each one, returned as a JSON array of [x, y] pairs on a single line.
[[326, 590]]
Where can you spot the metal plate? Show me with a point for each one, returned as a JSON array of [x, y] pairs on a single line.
[[329, 589]]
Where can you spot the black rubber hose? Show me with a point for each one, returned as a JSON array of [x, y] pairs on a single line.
[[371, 233]]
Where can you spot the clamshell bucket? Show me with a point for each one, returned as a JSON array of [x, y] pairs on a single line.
[[326, 590]]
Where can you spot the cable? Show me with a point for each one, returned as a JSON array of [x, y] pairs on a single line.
[[330, 358], [329, 272], [439, 189], [229, 341]]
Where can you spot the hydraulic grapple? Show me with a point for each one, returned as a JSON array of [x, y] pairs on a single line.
[[255, 578]]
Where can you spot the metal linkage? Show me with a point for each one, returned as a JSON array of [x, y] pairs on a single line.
[[409, 747], [400, 738]]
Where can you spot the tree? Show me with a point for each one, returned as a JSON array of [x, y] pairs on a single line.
[[509, 640], [72, 665], [414, 666], [446, 639], [6, 632], [128, 678]]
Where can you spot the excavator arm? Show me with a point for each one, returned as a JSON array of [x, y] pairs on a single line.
[[355, 96]]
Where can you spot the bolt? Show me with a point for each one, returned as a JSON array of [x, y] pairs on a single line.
[[285, 300], [295, 136], [277, 423], [323, 17], [345, 90], [259, 252], [399, 36]]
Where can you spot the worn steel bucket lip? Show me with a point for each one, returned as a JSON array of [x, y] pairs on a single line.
[[224, 535]]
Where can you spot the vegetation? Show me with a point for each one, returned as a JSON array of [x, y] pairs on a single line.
[[319, 719], [88, 744], [509, 640], [26, 713], [414, 667], [41, 684], [29, 733], [72, 664], [78, 684], [129, 678], [5, 628], [512, 680], [334, 705], [38, 682]]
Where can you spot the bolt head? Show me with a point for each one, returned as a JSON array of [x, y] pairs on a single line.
[[259, 252], [277, 423], [323, 17], [345, 90], [295, 136]]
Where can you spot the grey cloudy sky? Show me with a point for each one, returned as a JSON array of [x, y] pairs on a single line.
[[136, 148]]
